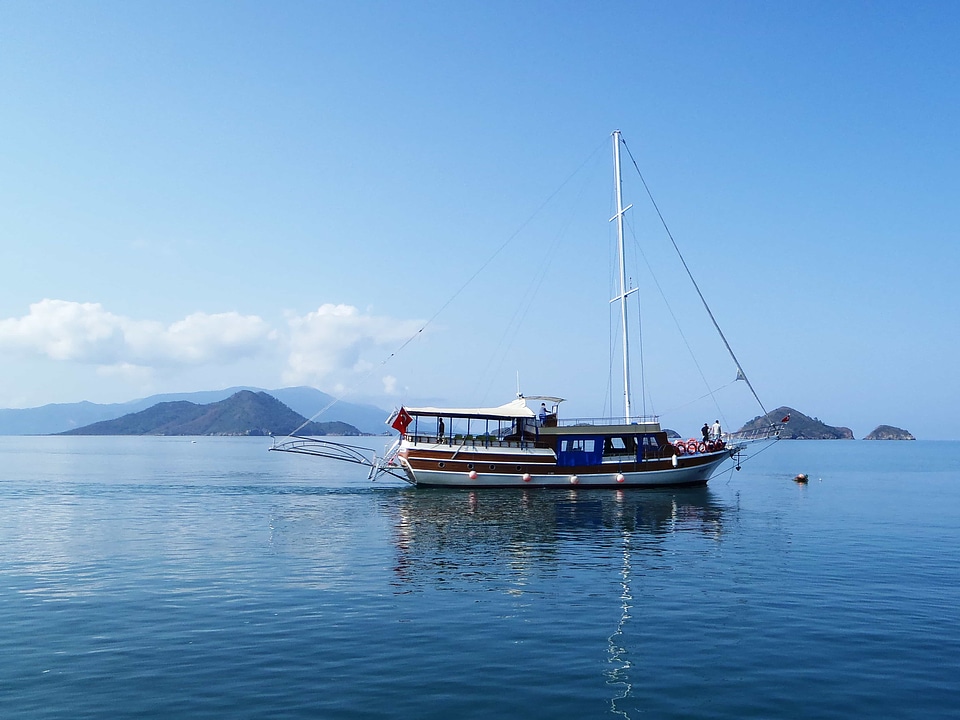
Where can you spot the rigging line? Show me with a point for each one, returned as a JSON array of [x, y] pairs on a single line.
[[463, 287], [690, 275], [531, 291], [608, 396], [676, 322], [643, 377], [710, 394], [761, 450]]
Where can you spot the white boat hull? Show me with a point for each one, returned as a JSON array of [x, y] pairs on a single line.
[[474, 475]]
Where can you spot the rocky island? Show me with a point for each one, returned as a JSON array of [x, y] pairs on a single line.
[[804, 427], [889, 432], [800, 426]]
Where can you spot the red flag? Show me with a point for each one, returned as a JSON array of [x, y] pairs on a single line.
[[401, 422], [786, 419]]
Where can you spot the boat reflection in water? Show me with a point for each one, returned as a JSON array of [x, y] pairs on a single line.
[[563, 554], [501, 536]]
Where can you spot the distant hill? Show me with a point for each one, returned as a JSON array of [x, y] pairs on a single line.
[[57, 418], [309, 401], [889, 432], [800, 426], [243, 413]]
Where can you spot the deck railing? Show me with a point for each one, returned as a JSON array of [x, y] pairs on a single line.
[[622, 420]]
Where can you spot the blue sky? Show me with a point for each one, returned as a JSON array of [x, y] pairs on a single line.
[[200, 195]]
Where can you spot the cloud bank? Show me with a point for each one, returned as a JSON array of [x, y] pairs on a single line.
[[330, 345], [336, 341], [87, 333]]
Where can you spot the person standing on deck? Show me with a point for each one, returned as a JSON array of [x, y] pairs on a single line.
[[543, 414], [705, 431], [717, 432], [440, 429]]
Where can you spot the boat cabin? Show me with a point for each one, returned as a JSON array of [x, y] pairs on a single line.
[[576, 443]]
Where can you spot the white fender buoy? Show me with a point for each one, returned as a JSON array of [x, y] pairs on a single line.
[[472, 474], [620, 477], [526, 477], [574, 479], [673, 460]]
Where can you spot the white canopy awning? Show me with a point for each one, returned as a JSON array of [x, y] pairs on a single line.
[[515, 409]]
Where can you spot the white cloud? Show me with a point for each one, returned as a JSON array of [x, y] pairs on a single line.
[[128, 372], [201, 338], [87, 333], [338, 341], [389, 385], [64, 330], [333, 347]]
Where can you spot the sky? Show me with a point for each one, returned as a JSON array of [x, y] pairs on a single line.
[[409, 203]]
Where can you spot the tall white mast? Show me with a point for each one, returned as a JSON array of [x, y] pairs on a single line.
[[622, 297]]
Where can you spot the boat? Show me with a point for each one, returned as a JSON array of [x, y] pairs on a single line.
[[523, 444]]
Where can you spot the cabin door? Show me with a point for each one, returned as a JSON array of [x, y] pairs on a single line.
[[574, 451]]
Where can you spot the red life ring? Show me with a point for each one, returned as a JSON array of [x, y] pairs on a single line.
[[681, 448], [691, 446], [702, 447], [711, 446]]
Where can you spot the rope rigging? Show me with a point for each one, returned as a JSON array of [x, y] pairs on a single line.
[[483, 266], [683, 261]]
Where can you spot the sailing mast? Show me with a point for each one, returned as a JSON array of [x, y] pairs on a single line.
[[622, 297]]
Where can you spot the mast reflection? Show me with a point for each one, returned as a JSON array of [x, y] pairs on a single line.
[[445, 535]]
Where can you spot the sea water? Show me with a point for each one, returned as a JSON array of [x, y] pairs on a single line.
[[210, 578]]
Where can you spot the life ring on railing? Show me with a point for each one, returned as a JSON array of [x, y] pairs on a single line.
[[691, 446], [711, 446], [681, 448], [702, 447], [721, 444]]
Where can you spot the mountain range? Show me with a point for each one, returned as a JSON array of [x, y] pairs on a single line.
[[307, 401], [243, 413]]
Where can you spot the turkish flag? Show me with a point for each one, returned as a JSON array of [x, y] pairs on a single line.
[[402, 420]]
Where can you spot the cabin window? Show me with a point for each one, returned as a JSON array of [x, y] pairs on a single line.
[[650, 448], [579, 445], [620, 446]]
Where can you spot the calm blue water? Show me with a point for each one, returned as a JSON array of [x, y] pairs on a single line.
[[162, 577]]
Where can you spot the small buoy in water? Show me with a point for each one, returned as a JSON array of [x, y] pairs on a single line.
[[801, 478], [472, 475]]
